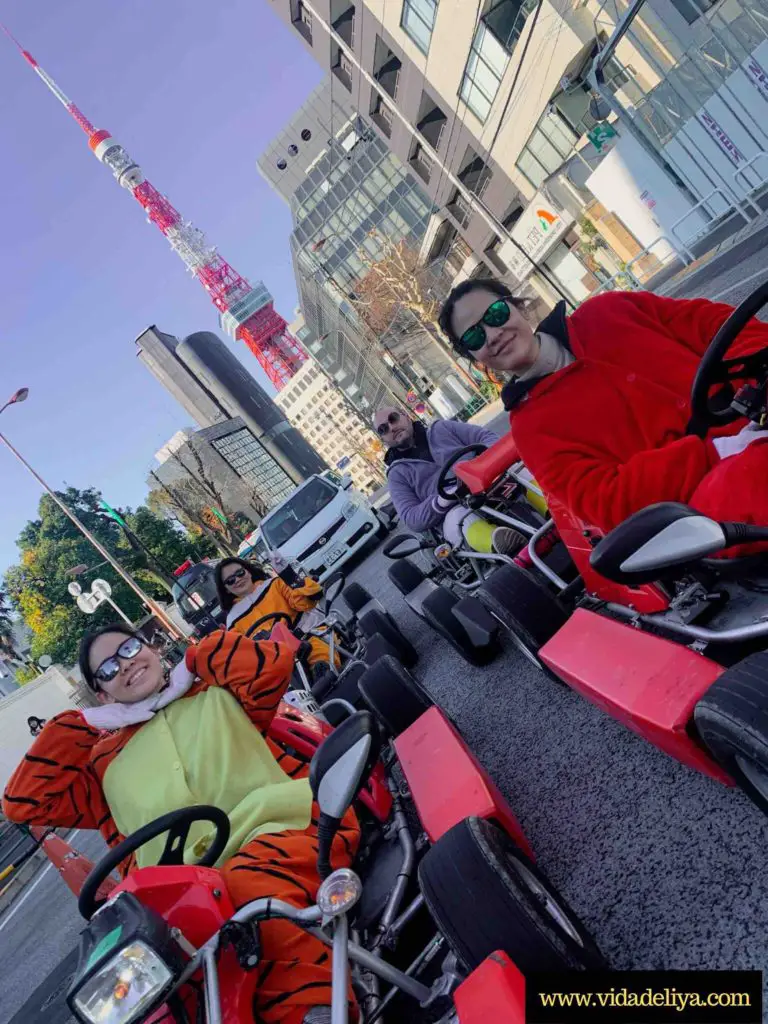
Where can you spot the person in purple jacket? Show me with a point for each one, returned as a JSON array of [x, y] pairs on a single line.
[[416, 454]]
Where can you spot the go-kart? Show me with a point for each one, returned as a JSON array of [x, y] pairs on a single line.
[[655, 630], [442, 915], [440, 590]]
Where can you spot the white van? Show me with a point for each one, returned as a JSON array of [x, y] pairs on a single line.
[[320, 525]]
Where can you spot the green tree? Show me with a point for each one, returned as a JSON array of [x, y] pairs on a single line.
[[51, 546]]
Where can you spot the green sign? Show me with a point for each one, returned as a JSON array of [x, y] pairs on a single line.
[[219, 515], [600, 134], [113, 514]]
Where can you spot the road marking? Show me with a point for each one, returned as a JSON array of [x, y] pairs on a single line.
[[22, 899], [740, 284]]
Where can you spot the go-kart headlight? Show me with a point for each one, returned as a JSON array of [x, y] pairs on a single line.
[[123, 988], [349, 509]]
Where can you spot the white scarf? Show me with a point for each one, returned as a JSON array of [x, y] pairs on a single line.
[[117, 716]]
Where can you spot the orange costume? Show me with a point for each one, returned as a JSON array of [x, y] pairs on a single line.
[[61, 782]]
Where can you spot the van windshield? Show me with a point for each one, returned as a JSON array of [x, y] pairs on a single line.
[[195, 590], [297, 511]]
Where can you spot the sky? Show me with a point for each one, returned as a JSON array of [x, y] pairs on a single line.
[[194, 91]]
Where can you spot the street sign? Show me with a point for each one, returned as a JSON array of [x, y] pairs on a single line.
[[102, 588], [601, 134], [88, 603], [113, 514]]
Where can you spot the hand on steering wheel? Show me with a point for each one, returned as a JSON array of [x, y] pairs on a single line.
[[448, 487], [177, 824], [715, 410]]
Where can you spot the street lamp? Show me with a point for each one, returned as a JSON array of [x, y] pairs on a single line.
[[20, 396]]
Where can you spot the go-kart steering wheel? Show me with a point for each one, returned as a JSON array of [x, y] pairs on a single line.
[[177, 824], [715, 410], [462, 453]]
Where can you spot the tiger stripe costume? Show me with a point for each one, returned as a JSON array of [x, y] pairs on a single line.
[[274, 602], [60, 783]]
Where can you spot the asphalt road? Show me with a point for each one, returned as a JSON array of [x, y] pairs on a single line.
[[37, 932]]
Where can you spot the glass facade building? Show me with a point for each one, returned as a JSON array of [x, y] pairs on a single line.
[[253, 464]]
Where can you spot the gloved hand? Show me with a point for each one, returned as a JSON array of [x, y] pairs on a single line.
[[440, 504], [736, 443]]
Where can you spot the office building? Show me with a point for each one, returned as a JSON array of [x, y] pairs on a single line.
[[668, 140], [355, 197], [223, 462], [213, 386], [320, 412]]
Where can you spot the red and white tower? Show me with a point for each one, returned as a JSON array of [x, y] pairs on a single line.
[[246, 312]]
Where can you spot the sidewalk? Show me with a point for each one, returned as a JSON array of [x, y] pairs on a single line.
[[747, 242]]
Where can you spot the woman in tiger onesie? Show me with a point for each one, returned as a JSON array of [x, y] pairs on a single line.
[[255, 603], [198, 735]]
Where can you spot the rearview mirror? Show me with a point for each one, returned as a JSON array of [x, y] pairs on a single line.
[[333, 587], [343, 762], [654, 540]]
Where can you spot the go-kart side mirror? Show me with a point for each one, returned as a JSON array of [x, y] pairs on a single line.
[[403, 545], [339, 769], [333, 587], [655, 540]]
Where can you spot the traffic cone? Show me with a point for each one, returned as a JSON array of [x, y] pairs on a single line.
[[74, 867]]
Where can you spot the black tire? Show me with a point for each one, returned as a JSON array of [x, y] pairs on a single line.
[[732, 720], [438, 613], [393, 695], [405, 575], [374, 622], [529, 611], [355, 597], [486, 895]]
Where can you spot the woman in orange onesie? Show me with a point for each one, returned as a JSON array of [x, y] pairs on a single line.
[[158, 742]]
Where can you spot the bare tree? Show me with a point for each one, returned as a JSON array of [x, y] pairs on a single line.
[[369, 451], [182, 502]]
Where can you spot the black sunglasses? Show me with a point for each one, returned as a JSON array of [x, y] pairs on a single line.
[[474, 337], [109, 668], [236, 575], [392, 419]]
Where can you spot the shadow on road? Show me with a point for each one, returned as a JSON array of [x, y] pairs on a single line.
[[47, 1003]]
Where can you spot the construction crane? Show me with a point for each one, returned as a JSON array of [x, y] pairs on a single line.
[[246, 312]]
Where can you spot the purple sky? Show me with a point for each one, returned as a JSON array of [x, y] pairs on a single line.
[[194, 90]]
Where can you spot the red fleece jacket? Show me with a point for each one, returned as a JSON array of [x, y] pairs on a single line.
[[606, 435]]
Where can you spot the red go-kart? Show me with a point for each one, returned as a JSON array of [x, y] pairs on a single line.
[[441, 917], [649, 626]]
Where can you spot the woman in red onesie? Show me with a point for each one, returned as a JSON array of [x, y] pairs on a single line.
[[599, 400]]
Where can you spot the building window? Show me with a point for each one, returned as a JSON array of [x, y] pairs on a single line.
[[430, 120], [421, 162], [418, 20], [483, 73], [342, 67], [302, 19], [475, 172], [506, 18], [386, 68], [343, 21], [550, 144], [691, 10], [381, 114]]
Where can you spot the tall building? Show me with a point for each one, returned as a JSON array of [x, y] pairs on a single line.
[[655, 147], [213, 386], [347, 443], [225, 459], [348, 195]]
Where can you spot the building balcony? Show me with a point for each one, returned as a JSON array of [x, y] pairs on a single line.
[[422, 163], [343, 21], [382, 115]]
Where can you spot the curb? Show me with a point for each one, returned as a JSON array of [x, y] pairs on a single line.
[[708, 266], [18, 881]]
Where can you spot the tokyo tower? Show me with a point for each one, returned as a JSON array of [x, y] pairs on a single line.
[[246, 312]]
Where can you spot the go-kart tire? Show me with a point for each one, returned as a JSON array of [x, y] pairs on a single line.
[[374, 622], [405, 575], [393, 695], [437, 611], [529, 611], [485, 895], [355, 597], [732, 720]]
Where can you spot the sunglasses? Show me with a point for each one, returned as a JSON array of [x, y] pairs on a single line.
[[384, 428], [475, 337], [236, 575], [109, 668]]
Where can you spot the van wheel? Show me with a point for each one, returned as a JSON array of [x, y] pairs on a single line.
[[485, 895], [732, 720]]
